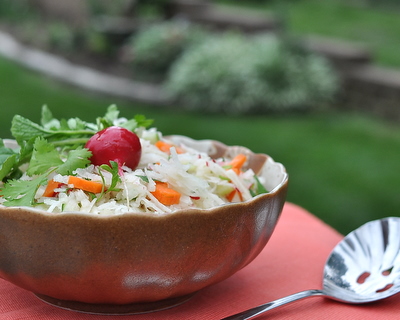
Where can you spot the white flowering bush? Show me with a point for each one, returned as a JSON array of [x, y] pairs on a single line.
[[236, 74]]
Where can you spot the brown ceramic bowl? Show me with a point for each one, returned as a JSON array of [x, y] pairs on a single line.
[[136, 262]]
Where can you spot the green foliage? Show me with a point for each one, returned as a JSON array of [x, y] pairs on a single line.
[[11, 10], [97, 43], [115, 7], [237, 74], [61, 36], [155, 48]]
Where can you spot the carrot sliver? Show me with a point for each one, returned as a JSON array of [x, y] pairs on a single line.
[[51, 185], [238, 161], [231, 195], [165, 147], [165, 194], [85, 185]]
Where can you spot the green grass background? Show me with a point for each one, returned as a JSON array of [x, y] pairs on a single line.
[[375, 27]]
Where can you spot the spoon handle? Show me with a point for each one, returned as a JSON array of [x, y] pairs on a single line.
[[253, 312]]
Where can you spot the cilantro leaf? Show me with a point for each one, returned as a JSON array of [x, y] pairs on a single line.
[[113, 169], [112, 113], [44, 157], [144, 178], [78, 158], [5, 152], [21, 192], [258, 188], [8, 160], [76, 124], [138, 121], [47, 116], [25, 152], [108, 119], [7, 165], [142, 121], [47, 120]]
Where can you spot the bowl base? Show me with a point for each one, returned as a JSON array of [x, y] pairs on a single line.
[[115, 309]]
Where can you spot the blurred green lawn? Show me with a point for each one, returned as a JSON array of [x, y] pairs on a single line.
[[342, 167], [376, 27]]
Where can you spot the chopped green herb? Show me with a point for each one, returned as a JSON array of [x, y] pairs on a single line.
[[113, 169], [258, 188], [144, 178]]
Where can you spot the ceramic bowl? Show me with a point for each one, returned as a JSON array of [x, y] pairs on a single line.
[[137, 262]]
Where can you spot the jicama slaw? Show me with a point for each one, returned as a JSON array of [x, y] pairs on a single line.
[[168, 177]]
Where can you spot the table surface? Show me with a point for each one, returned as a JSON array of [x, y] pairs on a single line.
[[292, 261]]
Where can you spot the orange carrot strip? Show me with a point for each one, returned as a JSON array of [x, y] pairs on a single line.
[[238, 161], [232, 195], [51, 185], [165, 194], [165, 146], [86, 185]]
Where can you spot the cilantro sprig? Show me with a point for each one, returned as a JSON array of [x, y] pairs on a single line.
[[52, 145], [72, 132], [113, 169], [45, 160], [45, 157]]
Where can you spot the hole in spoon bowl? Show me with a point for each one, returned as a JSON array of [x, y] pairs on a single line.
[[385, 288], [362, 277], [387, 271]]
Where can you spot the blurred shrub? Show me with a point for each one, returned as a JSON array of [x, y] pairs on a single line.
[[52, 35], [61, 36], [153, 49], [97, 43], [237, 74], [115, 7], [31, 28]]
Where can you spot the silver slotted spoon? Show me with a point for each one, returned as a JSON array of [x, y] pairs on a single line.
[[363, 267]]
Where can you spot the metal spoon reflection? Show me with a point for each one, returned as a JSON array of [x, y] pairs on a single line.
[[363, 267]]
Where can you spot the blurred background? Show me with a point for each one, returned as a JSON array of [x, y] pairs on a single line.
[[314, 84]]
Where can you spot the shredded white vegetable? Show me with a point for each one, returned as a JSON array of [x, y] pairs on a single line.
[[201, 181]]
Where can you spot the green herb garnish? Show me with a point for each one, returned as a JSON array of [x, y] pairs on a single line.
[[258, 187], [113, 169], [52, 146]]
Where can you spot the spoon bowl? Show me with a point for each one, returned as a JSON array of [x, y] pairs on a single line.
[[363, 267]]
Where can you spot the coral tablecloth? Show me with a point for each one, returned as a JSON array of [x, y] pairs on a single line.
[[292, 261]]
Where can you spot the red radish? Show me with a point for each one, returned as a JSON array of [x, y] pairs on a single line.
[[115, 144]]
